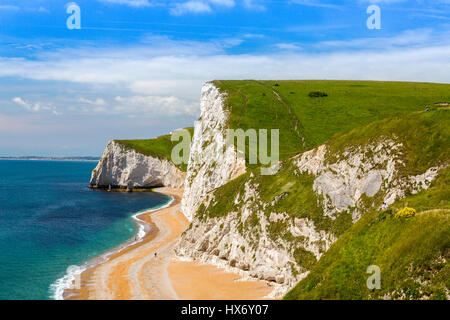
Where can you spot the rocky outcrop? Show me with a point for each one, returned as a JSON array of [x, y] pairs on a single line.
[[125, 168], [361, 170], [211, 162]]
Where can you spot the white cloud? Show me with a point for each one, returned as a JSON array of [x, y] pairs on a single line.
[[192, 6], [419, 2], [152, 105], [96, 102], [162, 105], [43, 10], [198, 6], [287, 46], [131, 3], [315, 3], [383, 1], [253, 5], [406, 38], [253, 36], [160, 87], [9, 7], [225, 3], [36, 107], [149, 82], [181, 7], [433, 16]]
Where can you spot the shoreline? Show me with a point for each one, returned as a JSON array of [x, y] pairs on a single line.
[[149, 269], [62, 288]]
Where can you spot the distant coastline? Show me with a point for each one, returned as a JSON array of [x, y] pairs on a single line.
[[35, 158]]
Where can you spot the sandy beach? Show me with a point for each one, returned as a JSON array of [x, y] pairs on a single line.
[[149, 269]]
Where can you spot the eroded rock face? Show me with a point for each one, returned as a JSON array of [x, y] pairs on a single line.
[[255, 254], [211, 163], [362, 170], [126, 168]]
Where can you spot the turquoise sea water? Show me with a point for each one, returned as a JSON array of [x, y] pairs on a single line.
[[50, 220]]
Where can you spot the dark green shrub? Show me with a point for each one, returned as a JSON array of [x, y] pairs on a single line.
[[317, 94], [304, 258]]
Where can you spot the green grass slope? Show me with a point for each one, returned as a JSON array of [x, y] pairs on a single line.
[[306, 122], [160, 147], [412, 253]]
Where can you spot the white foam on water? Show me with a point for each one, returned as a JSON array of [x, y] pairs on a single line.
[[67, 282], [143, 227], [74, 272]]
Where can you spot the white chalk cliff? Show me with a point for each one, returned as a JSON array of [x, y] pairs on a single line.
[[211, 162], [123, 167]]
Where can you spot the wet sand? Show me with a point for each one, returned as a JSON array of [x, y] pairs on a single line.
[[136, 273]]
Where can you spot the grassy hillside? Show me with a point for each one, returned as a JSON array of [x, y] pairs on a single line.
[[306, 122], [405, 249], [412, 253], [160, 147]]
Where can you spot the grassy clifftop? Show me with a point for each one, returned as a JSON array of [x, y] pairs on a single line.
[[160, 147], [306, 122]]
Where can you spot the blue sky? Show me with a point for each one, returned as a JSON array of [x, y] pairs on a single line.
[[135, 68]]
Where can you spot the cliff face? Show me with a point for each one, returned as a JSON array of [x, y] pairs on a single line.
[[346, 183], [277, 227], [211, 163], [124, 167], [262, 237]]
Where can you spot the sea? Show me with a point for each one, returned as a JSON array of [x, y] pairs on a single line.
[[51, 224]]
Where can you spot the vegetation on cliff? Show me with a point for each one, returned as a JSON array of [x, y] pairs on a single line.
[[412, 252], [160, 147]]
